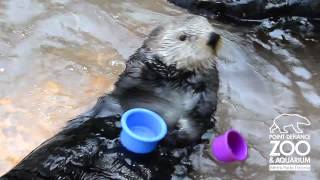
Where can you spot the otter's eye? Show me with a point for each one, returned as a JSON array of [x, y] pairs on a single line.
[[183, 37]]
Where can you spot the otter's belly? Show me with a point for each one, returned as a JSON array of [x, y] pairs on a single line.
[[170, 104]]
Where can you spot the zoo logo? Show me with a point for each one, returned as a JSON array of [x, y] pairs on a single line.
[[296, 156], [282, 124]]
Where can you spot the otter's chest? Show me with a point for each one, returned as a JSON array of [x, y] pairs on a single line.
[[169, 102], [178, 102]]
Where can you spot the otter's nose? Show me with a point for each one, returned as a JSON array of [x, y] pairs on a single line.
[[213, 39]]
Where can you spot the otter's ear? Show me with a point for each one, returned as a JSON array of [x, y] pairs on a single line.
[[153, 38], [156, 32]]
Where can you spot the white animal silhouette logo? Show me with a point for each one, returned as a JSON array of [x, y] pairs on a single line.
[[283, 121]]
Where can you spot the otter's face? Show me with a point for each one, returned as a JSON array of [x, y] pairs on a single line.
[[188, 43]]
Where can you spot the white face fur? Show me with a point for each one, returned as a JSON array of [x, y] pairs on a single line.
[[184, 42]]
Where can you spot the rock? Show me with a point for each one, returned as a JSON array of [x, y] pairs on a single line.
[[251, 9]]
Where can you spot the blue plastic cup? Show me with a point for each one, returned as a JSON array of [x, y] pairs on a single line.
[[142, 130]]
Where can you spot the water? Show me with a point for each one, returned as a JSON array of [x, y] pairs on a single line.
[[58, 56]]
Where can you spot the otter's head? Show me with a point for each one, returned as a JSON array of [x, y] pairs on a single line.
[[188, 43]]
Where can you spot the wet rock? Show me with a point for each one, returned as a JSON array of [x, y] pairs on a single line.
[[201, 161], [256, 159], [285, 33], [290, 28], [252, 9]]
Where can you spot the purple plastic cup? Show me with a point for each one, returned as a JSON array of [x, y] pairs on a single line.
[[229, 147]]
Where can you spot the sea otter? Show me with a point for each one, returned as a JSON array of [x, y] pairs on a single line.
[[173, 74]]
